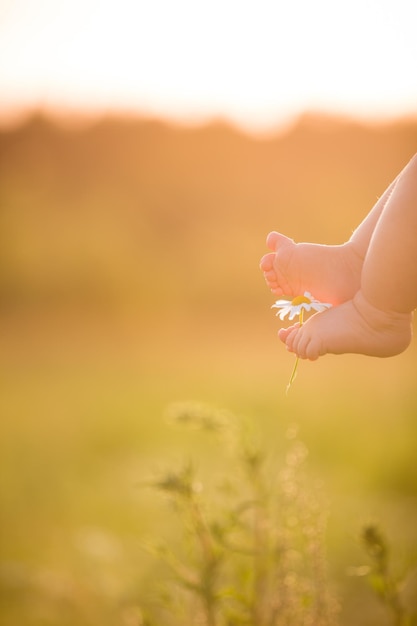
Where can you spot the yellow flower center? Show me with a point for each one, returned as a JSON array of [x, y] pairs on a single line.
[[300, 300]]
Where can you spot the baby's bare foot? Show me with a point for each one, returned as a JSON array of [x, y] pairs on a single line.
[[353, 327], [330, 273]]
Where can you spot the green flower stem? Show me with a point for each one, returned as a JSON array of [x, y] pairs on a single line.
[[294, 371]]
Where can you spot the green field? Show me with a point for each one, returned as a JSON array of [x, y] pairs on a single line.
[[129, 282]]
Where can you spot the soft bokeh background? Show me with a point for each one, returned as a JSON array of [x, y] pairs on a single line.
[[129, 280]]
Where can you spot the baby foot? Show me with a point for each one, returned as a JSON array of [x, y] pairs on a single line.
[[353, 327], [330, 273]]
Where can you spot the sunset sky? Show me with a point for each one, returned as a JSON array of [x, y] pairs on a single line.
[[256, 62]]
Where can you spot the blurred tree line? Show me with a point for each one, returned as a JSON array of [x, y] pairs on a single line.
[[145, 214]]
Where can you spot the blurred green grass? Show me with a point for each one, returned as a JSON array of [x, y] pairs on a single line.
[[129, 280]]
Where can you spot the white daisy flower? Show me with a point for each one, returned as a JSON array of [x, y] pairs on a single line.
[[298, 305]]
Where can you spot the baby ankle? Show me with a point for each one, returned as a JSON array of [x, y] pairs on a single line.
[[379, 317]]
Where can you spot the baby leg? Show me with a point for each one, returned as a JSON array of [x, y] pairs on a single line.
[[330, 273], [377, 321]]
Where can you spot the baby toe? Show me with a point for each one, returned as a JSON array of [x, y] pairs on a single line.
[[266, 263], [300, 344], [270, 275], [283, 333], [289, 336], [272, 239], [277, 240], [312, 349]]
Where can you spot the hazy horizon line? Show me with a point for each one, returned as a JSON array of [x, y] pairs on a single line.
[[73, 117]]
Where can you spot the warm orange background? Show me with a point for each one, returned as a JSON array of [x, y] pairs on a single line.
[[129, 279]]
